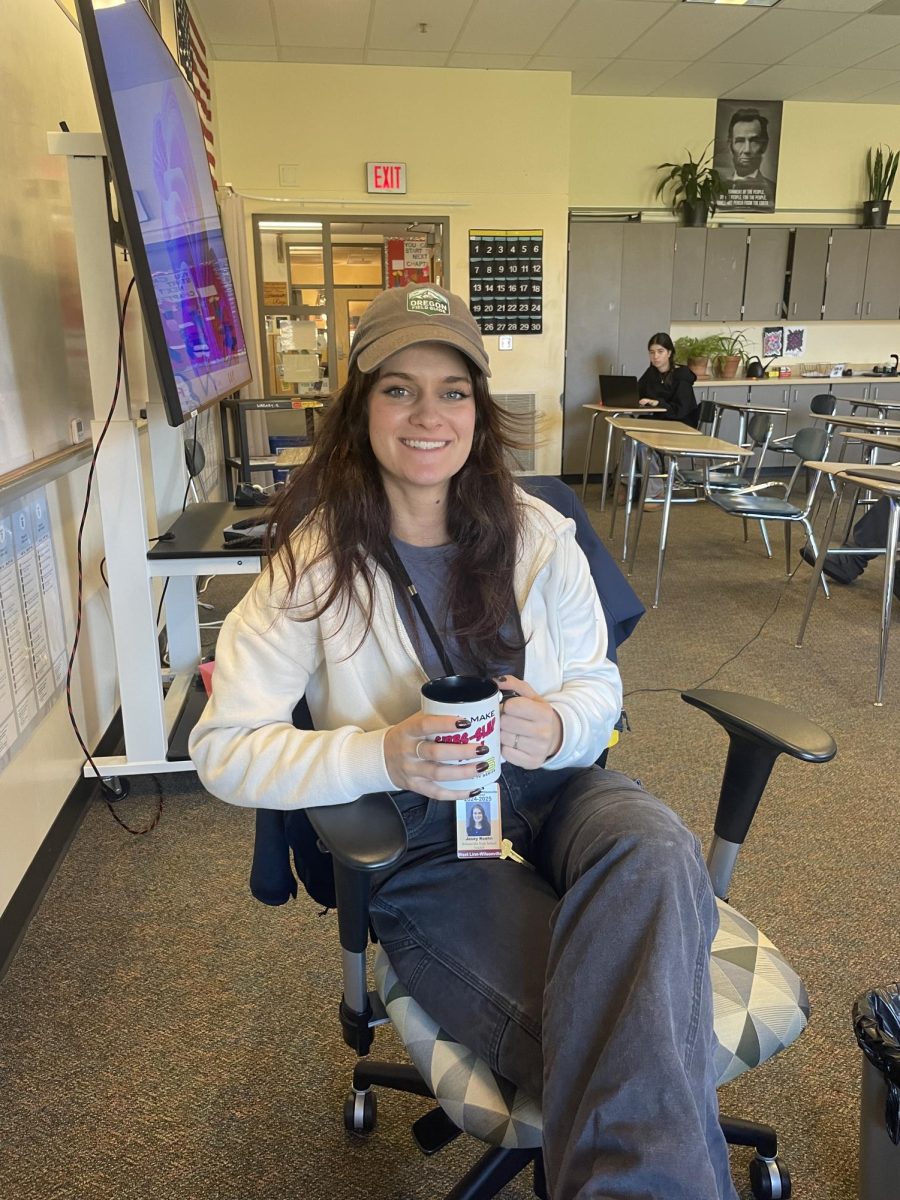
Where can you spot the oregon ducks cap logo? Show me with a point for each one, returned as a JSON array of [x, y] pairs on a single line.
[[427, 300]]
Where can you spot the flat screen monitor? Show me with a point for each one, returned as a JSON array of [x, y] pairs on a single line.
[[157, 155]]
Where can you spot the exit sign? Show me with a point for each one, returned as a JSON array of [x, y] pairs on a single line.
[[386, 177]]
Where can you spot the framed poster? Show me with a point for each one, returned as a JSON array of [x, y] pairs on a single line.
[[747, 139], [506, 282]]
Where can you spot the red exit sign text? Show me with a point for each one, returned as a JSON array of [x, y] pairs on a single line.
[[386, 177]]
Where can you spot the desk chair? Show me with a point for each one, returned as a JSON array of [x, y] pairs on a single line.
[[760, 1003], [886, 482], [822, 405], [734, 474], [808, 445]]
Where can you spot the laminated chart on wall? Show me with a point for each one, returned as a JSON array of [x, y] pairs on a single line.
[[506, 280], [33, 656]]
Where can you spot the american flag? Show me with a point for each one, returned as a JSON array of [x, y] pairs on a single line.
[[192, 57]]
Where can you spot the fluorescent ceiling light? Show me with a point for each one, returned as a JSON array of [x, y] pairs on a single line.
[[290, 224], [747, 3]]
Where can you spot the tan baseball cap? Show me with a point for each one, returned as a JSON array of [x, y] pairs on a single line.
[[420, 312]]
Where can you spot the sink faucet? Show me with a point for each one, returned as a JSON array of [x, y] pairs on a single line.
[[896, 366]]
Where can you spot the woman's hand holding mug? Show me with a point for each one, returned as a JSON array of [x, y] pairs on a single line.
[[530, 729], [417, 763]]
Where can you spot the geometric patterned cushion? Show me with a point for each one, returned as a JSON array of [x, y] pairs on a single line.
[[760, 1007]]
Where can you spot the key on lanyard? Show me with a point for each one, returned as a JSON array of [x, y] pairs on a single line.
[[506, 851]]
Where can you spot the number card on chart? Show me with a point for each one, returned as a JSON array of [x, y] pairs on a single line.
[[506, 280]]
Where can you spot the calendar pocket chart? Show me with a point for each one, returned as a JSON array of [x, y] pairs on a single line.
[[506, 280]]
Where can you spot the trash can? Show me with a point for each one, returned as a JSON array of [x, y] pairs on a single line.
[[876, 1023]]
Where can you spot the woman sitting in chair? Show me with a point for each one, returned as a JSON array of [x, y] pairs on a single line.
[[667, 385], [584, 981]]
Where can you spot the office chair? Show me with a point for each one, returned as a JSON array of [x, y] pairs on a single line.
[[808, 445], [760, 1003]]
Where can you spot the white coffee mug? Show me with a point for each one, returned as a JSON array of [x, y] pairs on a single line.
[[478, 700]]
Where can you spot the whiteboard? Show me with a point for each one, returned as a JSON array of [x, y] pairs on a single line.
[[44, 379]]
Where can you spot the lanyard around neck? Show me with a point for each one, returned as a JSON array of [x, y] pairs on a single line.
[[403, 576]]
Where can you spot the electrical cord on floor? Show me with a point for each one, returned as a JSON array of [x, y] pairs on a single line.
[[79, 607], [723, 665]]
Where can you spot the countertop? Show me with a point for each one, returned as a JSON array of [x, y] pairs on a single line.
[[794, 380]]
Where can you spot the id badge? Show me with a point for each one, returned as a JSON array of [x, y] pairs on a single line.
[[478, 831]]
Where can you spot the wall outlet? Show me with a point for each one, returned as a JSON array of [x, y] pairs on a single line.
[[76, 430], [506, 341]]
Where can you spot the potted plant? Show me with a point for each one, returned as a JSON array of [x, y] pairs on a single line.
[[881, 167], [695, 353], [695, 188], [729, 352]]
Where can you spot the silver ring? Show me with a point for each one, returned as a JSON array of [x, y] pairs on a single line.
[[420, 742], [515, 741]]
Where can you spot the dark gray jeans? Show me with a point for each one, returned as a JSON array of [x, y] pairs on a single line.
[[586, 981]]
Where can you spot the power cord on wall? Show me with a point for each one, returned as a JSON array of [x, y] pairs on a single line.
[[723, 665], [106, 790]]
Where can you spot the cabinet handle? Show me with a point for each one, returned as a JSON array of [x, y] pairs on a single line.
[[875, 392], [856, 308], [777, 312], [697, 308], [706, 309], [794, 309], [868, 307]]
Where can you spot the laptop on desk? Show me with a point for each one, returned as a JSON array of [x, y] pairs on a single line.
[[619, 391]]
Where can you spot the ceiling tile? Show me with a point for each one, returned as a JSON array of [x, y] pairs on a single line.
[[489, 62], [689, 31], [851, 44], [406, 58], [849, 85], [850, 6], [509, 26], [887, 60], [629, 77], [709, 79], [244, 53], [777, 34], [320, 54], [395, 24], [583, 70], [236, 22], [780, 83], [888, 95], [603, 27], [311, 23]]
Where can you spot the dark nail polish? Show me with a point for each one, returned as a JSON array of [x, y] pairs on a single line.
[[463, 723], [481, 750], [477, 792], [501, 679], [482, 767]]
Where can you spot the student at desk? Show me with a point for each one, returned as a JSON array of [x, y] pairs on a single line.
[[667, 385]]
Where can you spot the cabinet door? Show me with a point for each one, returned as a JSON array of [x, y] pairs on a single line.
[[687, 274], [592, 331], [881, 298], [646, 299], [887, 393], [767, 256], [723, 274], [799, 417], [845, 393], [806, 285], [846, 276]]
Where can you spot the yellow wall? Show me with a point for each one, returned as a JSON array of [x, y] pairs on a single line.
[[617, 141], [486, 148]]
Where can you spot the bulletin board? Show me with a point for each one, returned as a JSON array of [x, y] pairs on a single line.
[[44, 379], [506, 280]]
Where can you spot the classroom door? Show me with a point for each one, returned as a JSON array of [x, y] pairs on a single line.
[[349, 305]]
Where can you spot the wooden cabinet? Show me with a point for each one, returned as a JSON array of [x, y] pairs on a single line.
[[767, 257], [806, 274], [881, 294], [687, 274], [723, 274], [863, 275]]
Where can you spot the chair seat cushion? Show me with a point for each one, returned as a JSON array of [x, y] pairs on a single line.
[[753, 504], [760, 1007]]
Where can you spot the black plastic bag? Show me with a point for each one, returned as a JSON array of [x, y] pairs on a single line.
[[876, 1023]]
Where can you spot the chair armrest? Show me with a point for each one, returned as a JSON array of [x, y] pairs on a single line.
[[758, 732], [367, 835], [760, 487]]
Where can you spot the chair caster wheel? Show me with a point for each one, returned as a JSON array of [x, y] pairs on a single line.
[[769, 1180], [360, 1111]]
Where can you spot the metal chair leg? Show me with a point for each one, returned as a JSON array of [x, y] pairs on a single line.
[[765, 537], [887, 595], [820, 562], [815, 549], [664, 531], [606, 454], [642, 501], [787, 547], [587, 457]]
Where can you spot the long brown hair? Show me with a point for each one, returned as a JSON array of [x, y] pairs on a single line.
[[340, 486]]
